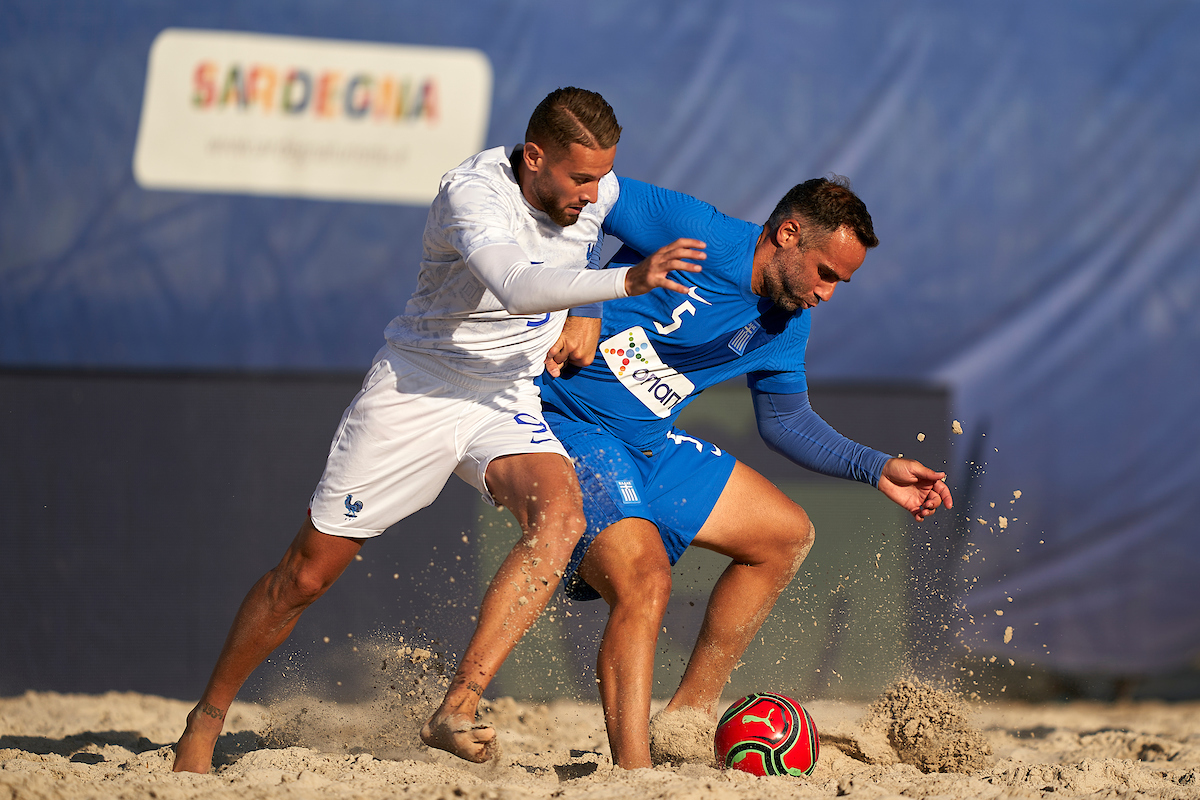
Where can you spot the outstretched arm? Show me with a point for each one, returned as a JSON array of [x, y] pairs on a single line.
[[525, 288], [577, 343], [790, 427]]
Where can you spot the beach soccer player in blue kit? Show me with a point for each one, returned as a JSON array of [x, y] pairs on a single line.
[[651, 490]]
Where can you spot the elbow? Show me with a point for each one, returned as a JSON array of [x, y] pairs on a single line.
[[518, 305], [771, 441], [518, 309]]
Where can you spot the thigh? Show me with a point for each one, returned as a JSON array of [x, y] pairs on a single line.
[[529, 484], [752, 518], [611, 483], [392, 453], [624, 559], [315, 560], [687, 477], [509, 423]]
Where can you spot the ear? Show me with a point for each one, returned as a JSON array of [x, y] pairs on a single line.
[[534, 156], [788, 233]]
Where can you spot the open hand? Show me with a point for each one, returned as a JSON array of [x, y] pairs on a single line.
[[652, 272]]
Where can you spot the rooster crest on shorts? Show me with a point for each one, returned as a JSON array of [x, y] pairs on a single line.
[[352, 508], [767, 734]]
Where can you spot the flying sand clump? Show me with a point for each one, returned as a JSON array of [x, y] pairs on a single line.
[[928, 728]]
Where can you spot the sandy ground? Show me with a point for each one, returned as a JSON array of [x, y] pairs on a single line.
[[118, 745]]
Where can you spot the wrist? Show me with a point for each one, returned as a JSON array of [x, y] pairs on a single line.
[[627, 281]]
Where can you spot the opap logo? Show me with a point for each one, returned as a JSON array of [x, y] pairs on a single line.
[[632, 359]]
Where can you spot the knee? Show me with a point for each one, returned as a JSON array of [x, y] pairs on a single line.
[[297, 585], [553, 530], [789, 545], [796, 545], [644, 585], [649, 584], [807, 536]]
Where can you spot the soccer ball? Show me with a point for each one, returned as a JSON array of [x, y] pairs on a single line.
[[767, 734]]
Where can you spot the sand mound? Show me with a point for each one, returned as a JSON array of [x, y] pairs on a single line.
[[913, 723], [682, 737], [928, 728]]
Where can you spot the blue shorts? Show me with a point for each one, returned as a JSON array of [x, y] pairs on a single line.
[[675, 486]]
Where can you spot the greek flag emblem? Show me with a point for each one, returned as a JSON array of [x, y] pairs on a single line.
[[742, 338], [628, 493]]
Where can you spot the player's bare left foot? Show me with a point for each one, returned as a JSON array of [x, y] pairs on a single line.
[[461, 735], [194, 751]]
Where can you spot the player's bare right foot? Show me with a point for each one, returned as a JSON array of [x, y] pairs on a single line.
[[194, 751], [461, 735]]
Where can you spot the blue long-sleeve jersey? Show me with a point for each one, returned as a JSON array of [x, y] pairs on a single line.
[[659, 350]]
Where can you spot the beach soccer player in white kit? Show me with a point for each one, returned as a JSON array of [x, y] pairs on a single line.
[[507, 247]]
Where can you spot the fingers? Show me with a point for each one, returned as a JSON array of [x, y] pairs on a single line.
[[683, 248], [666, 283], [938, 495], [652, 272], [922, 472], [555, 359]]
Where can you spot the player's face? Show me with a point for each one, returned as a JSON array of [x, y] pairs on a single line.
[[565, 181], [798, 278]]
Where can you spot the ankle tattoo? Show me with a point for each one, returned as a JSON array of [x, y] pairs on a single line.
[[209, 710]]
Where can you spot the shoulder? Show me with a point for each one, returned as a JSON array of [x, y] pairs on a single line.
[[670, 207], [491, 162], [484, 181], [635, 191], [606, 197], [610, 190]]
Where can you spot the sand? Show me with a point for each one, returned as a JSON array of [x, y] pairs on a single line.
[[912, 742]]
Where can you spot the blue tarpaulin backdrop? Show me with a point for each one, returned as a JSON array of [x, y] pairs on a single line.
[[1033, 169]]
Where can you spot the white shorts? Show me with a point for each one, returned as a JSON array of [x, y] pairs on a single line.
[[407, 432]]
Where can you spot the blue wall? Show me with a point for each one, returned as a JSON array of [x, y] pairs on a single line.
[[1033, 170]]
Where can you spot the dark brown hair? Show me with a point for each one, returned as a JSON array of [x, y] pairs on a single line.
[[574, 116], [824, 205]]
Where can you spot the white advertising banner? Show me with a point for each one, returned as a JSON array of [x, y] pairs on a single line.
[[249, 113]]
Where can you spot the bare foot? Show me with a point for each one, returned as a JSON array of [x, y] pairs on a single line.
[[194, 751], [460, 735]]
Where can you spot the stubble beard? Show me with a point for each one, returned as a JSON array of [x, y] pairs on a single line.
[[776, 287], [558, 214]]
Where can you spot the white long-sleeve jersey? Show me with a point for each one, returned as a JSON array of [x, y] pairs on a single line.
[[497, 275]]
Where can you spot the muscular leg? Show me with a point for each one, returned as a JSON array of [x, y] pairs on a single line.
[[767, 547], [541, 491], [628, 566], [266, 617]]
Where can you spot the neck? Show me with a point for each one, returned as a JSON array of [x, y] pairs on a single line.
[[764, 251], [516, 161]]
